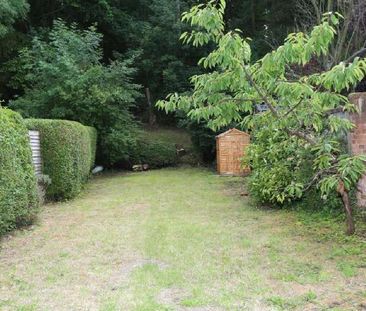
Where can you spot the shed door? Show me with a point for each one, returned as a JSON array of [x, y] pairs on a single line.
[[226, 156]]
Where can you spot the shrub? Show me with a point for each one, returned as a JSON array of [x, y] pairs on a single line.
[[203, 138], [93, 137], [156, 153], [117, 144], [62, 75], [67, 149], [158, 148], [18, 183]]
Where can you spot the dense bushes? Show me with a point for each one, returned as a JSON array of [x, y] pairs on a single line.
[[62, 75], [18, 184], [158, 148], [154, 151], [68, 153], [272, 183]]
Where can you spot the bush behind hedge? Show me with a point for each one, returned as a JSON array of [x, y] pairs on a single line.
[[68, 153], [155, 153], [18, 183], [158, 148]]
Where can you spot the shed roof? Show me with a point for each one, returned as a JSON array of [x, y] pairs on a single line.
[[232, 131]]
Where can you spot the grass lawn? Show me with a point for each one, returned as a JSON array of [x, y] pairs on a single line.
[[178, 239]]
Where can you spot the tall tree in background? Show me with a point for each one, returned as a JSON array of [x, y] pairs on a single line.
[[153, 27], [266, 22], [10, 12], [351, 31], [63, 77]]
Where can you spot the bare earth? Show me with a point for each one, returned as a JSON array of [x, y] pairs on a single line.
[[177, 239]]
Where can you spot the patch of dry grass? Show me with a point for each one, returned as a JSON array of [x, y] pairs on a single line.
[[176, 239]]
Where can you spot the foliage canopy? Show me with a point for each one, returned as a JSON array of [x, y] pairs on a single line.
[[301, 127], [63, 77], [10, 11]]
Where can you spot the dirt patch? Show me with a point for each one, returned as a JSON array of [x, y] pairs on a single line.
[[122, 275], [201, 309], [137, 207], [254, 305], [173, 297]]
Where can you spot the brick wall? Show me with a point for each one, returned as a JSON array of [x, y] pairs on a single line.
[[357, 139]]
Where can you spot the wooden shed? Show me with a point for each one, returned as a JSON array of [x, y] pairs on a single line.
[[230, 148]]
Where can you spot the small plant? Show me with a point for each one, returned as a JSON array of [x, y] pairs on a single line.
[[43, 182]]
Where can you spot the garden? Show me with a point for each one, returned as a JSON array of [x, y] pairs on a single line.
[[117, 122]]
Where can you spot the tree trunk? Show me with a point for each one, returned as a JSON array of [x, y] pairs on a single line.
[[347, 208], [152, 117]]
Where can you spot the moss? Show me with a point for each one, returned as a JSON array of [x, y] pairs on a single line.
[[18, 183]]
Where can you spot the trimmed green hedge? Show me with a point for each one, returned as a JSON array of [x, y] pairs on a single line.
[[155, 153], [18, 183], [68, 153], [93, 137], [155, 148]]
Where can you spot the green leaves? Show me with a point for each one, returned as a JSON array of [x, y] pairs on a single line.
[[342, 76], [208, 19], [10, 11], [296, 144], [63, 76]]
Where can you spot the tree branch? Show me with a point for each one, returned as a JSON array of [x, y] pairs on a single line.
[[273, 110], [356, 54], [261, 93], [294, 107], [333, 111]]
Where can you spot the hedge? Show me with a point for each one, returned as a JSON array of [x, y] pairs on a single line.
[[18, 183], [93, 137], [154, 151], [68, 153]]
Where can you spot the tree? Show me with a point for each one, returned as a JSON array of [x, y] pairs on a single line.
[[351, 39], [10, 11], [63, 77], [301, 119], [266, 22]]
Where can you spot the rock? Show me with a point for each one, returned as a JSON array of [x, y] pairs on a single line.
[[179, 149], [140, 167], [97, 169], [137, 168]]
